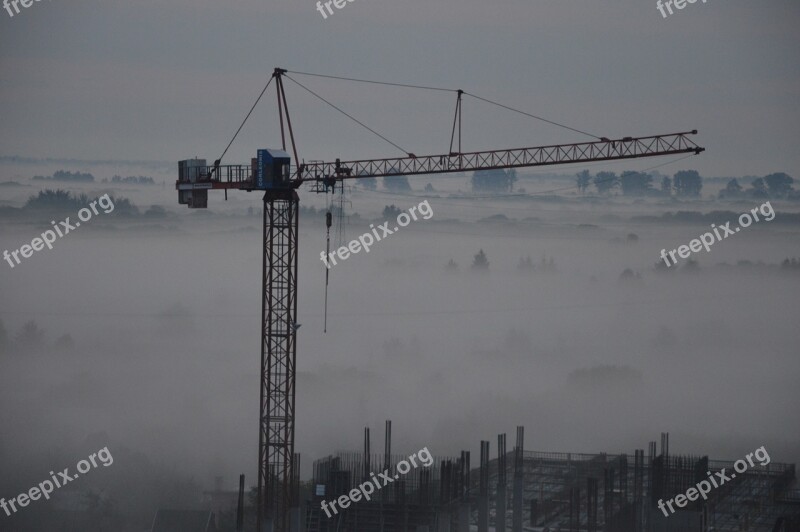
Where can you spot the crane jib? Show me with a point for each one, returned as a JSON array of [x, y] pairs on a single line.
[[272, 169]]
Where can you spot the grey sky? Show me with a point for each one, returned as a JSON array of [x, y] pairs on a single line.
[[170, 80]]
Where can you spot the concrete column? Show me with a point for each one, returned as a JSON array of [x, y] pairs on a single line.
[[463, 517], [500, 518], [483, 513], [518, 510]]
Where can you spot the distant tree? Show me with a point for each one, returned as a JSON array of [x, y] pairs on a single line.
[[790, 264], [30, 335], [779, 184], [62, 175], [494, 180], [65, 342], [429, 189], [687, 183], [629, 275], [452, 266], [391, 212], [666, 185], [635, 183], [758, 188], [582, 181], [605, 181], [369, 183], [396, 183], [732, 190], [124, 207], [480, 263], [56, 199], [525, 264]]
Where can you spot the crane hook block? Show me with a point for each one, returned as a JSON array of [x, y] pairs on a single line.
[[328, 219]]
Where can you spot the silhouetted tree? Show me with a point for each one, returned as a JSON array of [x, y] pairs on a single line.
[[635, 183], [687, 183], [494, 180], [758, 188], [582, 181], [30, 335], [605, 181], [526, 264], [63, 175], [666, 185], [732, 190], [452, 266], [629, 275], [480, 262], [56, 199], [390, 211], [790, 264], [396, 183], [779, 184], [369, 183], [547, 265]]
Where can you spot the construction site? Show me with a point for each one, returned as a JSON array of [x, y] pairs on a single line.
[[515, 490]]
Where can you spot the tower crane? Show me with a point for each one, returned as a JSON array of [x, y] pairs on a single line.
[[272, 173]]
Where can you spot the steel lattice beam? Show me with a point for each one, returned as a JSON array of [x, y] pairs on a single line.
[[602, 150]]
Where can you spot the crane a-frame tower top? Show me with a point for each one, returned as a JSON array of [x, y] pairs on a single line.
[[272, 172]]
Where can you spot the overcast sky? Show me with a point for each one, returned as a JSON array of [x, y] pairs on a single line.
[[168, 80]]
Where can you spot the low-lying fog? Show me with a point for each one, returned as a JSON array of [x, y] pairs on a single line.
[[162, 311]]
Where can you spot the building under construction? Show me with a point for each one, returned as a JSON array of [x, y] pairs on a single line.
[[520, 490]]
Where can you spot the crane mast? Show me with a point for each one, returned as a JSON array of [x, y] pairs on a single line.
[[271, 172]]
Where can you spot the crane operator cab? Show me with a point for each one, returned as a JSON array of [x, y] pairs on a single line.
[[271, 170]]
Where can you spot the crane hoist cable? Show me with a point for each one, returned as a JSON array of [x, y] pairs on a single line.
[[328, 223]]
